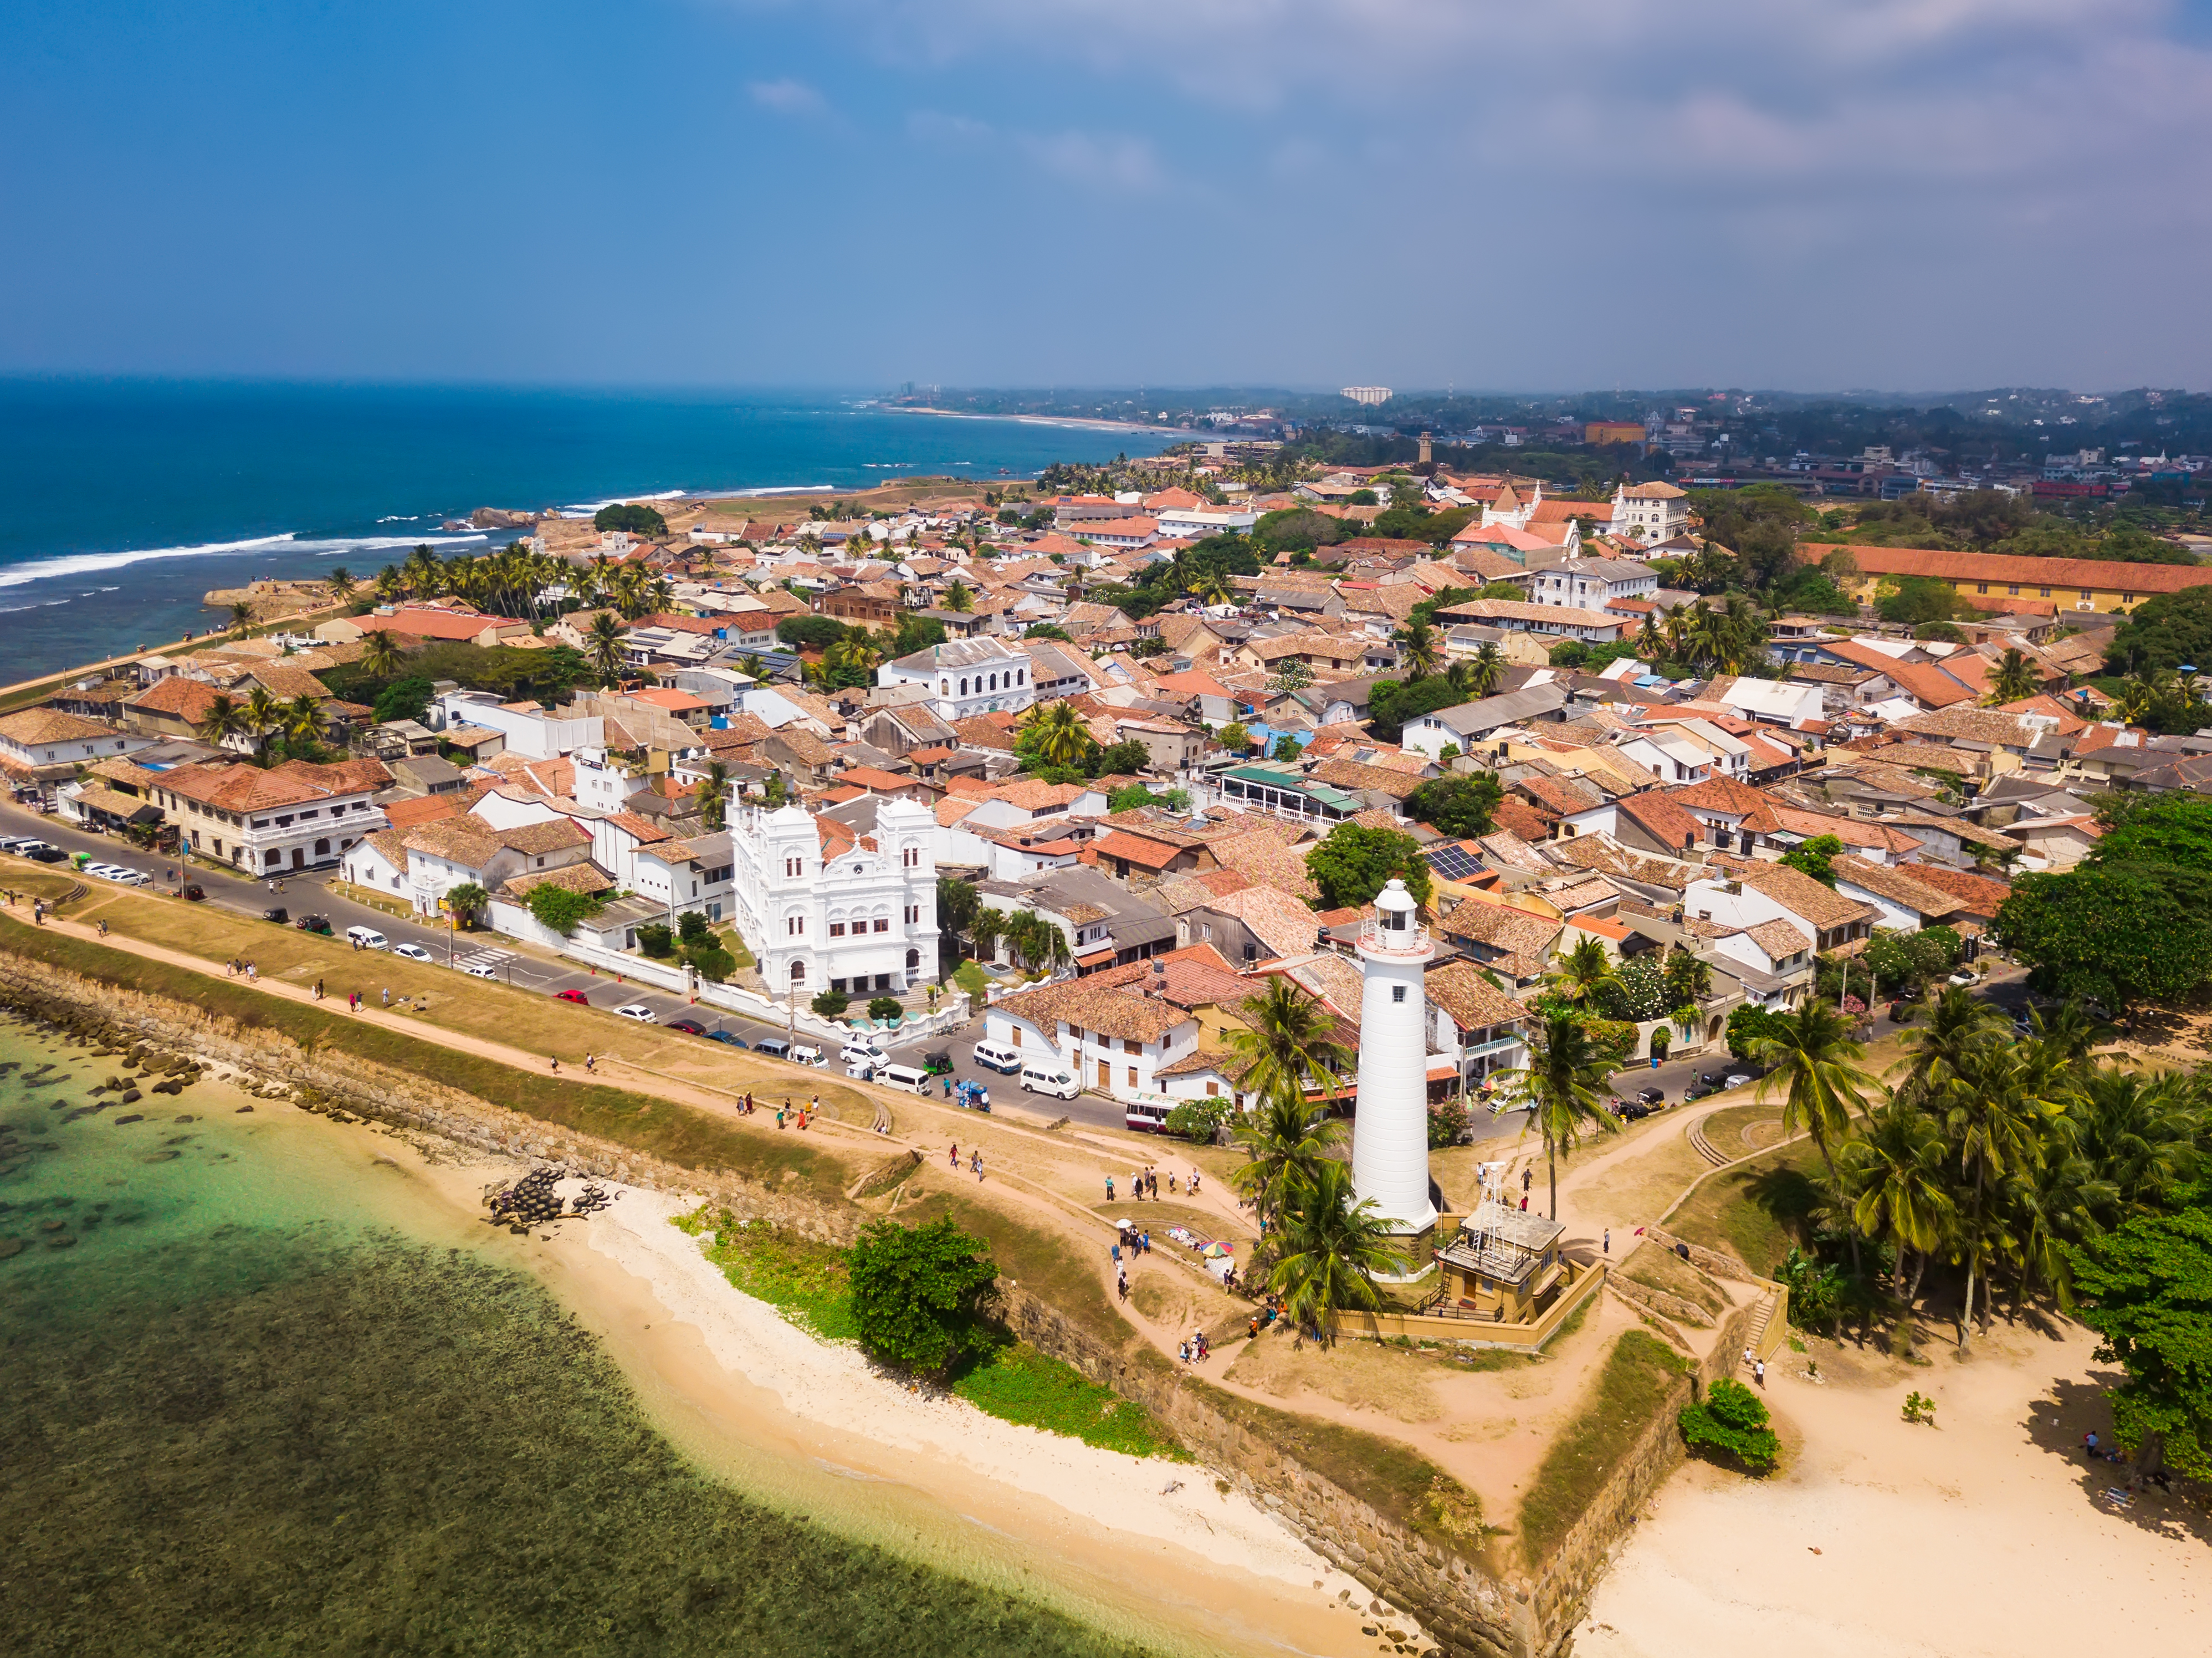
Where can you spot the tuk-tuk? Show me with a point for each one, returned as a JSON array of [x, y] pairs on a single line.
[[314, 924], [277, 914], [194, 895], [971, 1096], [938, 1064]]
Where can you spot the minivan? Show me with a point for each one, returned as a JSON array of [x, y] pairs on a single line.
[[367, 937], [1050, 1077], [775, 1047], [808, 1056], [911, 1078], [992, 1057]]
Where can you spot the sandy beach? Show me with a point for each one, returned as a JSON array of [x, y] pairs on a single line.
[[1987, 1534]]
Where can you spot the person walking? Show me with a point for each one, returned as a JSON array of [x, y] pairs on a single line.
[[956, 1154], [1114, 1250], [1194, 1182], [1759, 1371], [975, 1163], [591, 1064], [387, 989], [557, 1065], [1109, 1188], [1609, 1240]]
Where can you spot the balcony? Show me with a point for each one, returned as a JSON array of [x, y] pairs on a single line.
[[1379, 940]]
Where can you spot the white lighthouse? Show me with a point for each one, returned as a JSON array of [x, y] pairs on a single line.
[[1390, 1134]]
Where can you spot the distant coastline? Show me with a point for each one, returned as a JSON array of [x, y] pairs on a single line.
[[1075, 421]]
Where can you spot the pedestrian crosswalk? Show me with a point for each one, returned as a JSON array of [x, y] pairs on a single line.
[[484, 961]]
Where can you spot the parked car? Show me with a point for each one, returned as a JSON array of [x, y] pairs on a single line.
[[730, 1037], [279, 914], [413, 952], [637, 1011], [862, 1053], [306, 924], [1052, 1077], [689, 1027], [776, 1048], [1652, 1096], [813, 1056], [480, 969], [1961, 978], [193, 895], [1631, 1110], [992, 1057], [575, 996], [1737, 1080], [40, 852]]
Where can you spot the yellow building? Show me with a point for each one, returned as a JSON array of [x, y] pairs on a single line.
[[2007, 581]]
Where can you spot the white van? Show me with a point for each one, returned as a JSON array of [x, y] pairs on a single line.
[[1050, 1077], [911, 1078], [367, 937], [992, 1057], [808, 1056], [863, 1054]]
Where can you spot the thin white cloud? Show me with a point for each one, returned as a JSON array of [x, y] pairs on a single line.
[[1113, 162], [787, 97]]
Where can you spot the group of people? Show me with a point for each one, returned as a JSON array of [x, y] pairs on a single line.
[[974, 1160], [1194, 1350], [1146, 1182], [242, 970]]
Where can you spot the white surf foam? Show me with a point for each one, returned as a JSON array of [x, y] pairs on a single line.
[[43, 569]]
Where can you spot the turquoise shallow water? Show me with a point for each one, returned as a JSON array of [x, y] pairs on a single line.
[[264, 1401]]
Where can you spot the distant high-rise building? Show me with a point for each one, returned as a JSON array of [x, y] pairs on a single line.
[[1369, 395]]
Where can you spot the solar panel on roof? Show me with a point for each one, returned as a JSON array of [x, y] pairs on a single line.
[[1454, 863]]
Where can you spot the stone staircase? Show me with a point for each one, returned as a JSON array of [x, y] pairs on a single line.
[[1759, 1321], [1705, 1148]]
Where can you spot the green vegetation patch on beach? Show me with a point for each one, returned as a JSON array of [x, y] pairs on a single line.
[[805, 1281], [677, 1133], [1631, 1392], [1389, 1477], [1018, 1384]]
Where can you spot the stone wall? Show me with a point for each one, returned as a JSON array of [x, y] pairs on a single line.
[[1563, 1586], [96, 1011], [1710, 1261], [1463, 1610]]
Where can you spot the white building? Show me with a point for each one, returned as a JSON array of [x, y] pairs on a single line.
[[1196, 523], [967, 676], [1650, 512], [1591, 584], [1390, 1132], [1116, 1038], [49, 744], [295, 815], [531, 731], [823, 906]]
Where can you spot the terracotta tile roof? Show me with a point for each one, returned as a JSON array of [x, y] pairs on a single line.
[[1977, 894], [583, 877], [1990, 726], [554, 834], [297, 782], [187, 699], [1278, 920], [1501, 927], [645, 831], [1137, 849], [1523, 819], [1779, 938], [1798, 893], [1034, 794], [1088, 1005], [1472, 1002], [1661, 818], [1348, 774], [1720, 794], [2072, 574], [32, 725], [1264, 857], [422, 808], [1894, 884], [1603, 854]]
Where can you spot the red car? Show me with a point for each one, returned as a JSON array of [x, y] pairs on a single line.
[[575, 996]]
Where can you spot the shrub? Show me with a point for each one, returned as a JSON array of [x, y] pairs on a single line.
[[1448, 1123], [1729, 1425], [561, 909], [917, 1293], [1199, 1120], [630, 516], [714, 962], [831, 1003], [656, 940], [692, 926], [884, 1007]]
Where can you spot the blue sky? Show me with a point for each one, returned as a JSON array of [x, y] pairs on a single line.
[[1916, 194]]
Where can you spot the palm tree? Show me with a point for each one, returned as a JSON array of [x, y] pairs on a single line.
[[339, 584], [422, 575], [465, 900], [2140, 1135], [301, 721], [390, 584], [2014, 679], [1958, 1028], [1487, 670], [223, 721], [1815, 1067], [1585, 971], [1332, 1247], [1994, 1113], [1689, 978], [1290, 1039], [1893, 1176], [603, 646], [1056, 734], [957, 598], [1570, 1072], [1417, 645], [1284, 1140], [262, 714], [751, 667], [241, 617], [380, 654], [712, 792]]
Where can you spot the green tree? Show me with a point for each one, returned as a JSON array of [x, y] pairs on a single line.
[[1055, 734], [1291, 1040], [404, 699], [339, 584], [380, 654], [1356, 862], [1459, 805], [1915, 598], [1200, 1121], [1895, 1175], [917, 1294], [1730, 1424], [1994, 1112], [1748, 1026], [712, 792], [883, 1009], [1284, 1140], [811, 633], [2147, 1289], [2163, 632], [1332, 1247], [1235, 737], [1287, 748], [1417, 648], [1816, 1068], [1486, 671], [560, 909], [603, 646], [1586, 970], [631, 518], [1570, 1074], [467, 901], [241, 617], [1815, 858], [223, 720], [830, 1004], [2116, 934], [1393, 706], [957, 597], [2013, 680]]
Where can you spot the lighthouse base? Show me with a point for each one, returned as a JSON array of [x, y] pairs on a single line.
[[1415, 1246]]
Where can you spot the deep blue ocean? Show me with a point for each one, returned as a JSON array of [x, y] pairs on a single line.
[[122, 502]]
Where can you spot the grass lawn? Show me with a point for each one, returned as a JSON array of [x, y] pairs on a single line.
[[1021, 1385], [1726, 1128], [805, 1281], [1752, 1209], [1631, 1389], [1668, 1273]]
